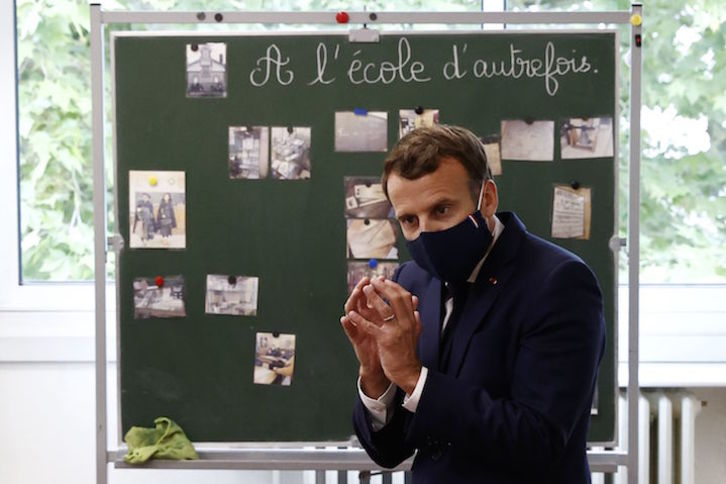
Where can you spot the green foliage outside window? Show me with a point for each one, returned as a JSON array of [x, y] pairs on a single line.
[[683, 210]]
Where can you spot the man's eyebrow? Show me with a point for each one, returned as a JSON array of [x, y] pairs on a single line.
[[435, 202]]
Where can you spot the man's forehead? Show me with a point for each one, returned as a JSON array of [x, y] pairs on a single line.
[[448, 182]]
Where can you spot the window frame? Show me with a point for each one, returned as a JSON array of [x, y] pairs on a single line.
[[38, 321]]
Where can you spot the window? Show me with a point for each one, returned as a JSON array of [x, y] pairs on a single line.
[[683, 166], [683, 223]]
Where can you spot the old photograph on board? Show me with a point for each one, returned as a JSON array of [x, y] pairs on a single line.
[[586, 138], [249, 152], [207, 70], [159, 297], [371, 239], [364, 198], [274, 359], [157, 210], [410, 119], [571, 212], [493, 150], [291, 153], [357, 270], [360, 131], [528, 140], [234, 295]]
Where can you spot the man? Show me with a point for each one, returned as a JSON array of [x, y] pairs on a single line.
[[482, 353]]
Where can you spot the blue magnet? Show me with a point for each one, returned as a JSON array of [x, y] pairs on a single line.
[[373, 263], [360, 112]]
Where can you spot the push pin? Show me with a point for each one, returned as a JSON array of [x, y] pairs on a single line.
[[419, 110], [373, 263], [232, 280], [342, 17], [153, 181], [159, 281], [529, 120], [360, 111], [367, 221], [575, 184], [290, 129], [275, 334]]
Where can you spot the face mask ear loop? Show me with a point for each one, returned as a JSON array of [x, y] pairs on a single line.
[[481, 195]]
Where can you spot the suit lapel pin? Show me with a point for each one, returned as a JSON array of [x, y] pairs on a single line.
[[493, 281]]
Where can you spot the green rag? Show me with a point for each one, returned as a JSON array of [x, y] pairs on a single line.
[[166, 441]]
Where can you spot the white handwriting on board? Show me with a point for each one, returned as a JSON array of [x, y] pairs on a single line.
[[386, 72], [549, 65], [272, 60]]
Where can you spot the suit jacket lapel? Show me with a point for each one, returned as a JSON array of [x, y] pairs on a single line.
[[431, 322], [482, 294]]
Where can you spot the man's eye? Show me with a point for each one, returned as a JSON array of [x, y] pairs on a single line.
[[442, 210], [408, 220]]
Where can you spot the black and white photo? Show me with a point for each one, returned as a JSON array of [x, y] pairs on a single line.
[[234, 295], [249, 152], [410, 119], [291, 153], [586, 138], [274, 359], [361, 131], [207, 70], [364, 198], [528, 140], [371, 239], [157, 210], [159, 297]]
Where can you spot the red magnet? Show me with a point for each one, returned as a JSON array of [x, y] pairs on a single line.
[[159, 281], [342, 17]]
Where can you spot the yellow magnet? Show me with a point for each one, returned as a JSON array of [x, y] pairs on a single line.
[[152, 181], [636, 20]]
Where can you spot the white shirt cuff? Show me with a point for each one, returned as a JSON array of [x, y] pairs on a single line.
[[378, 407], [410, 402]]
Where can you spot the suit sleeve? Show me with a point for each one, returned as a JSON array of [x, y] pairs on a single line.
[[387, 446], [553, 376]]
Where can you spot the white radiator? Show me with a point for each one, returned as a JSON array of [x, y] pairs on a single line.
[[667, 437]]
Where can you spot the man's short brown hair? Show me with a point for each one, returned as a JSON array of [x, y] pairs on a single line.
[[420, 152]]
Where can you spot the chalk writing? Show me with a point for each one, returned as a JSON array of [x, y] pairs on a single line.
[[353, 64], [272, 60]]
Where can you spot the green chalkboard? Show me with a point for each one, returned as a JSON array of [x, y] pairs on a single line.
[[291, 234]]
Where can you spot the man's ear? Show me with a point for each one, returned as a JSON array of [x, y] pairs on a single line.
[[490, 199]]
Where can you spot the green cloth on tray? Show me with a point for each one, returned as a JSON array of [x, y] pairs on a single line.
[[166, 441]]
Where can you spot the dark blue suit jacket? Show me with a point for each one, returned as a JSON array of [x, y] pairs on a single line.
[[514, 403]]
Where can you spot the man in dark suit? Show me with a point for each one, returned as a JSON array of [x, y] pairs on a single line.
[[481, 354]]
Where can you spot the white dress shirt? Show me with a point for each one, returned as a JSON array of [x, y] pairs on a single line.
[[378, 408]]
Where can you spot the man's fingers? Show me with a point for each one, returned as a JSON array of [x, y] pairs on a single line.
[[399, 298], [414, 301], [356, 294], [363, 324], [376, 302], [348, 327]]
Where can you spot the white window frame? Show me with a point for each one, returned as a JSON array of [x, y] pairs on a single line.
[[40, 321]]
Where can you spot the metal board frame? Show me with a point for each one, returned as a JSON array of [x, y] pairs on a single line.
[[350, 458]]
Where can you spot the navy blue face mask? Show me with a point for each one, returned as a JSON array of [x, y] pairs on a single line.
[[452, 254]]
